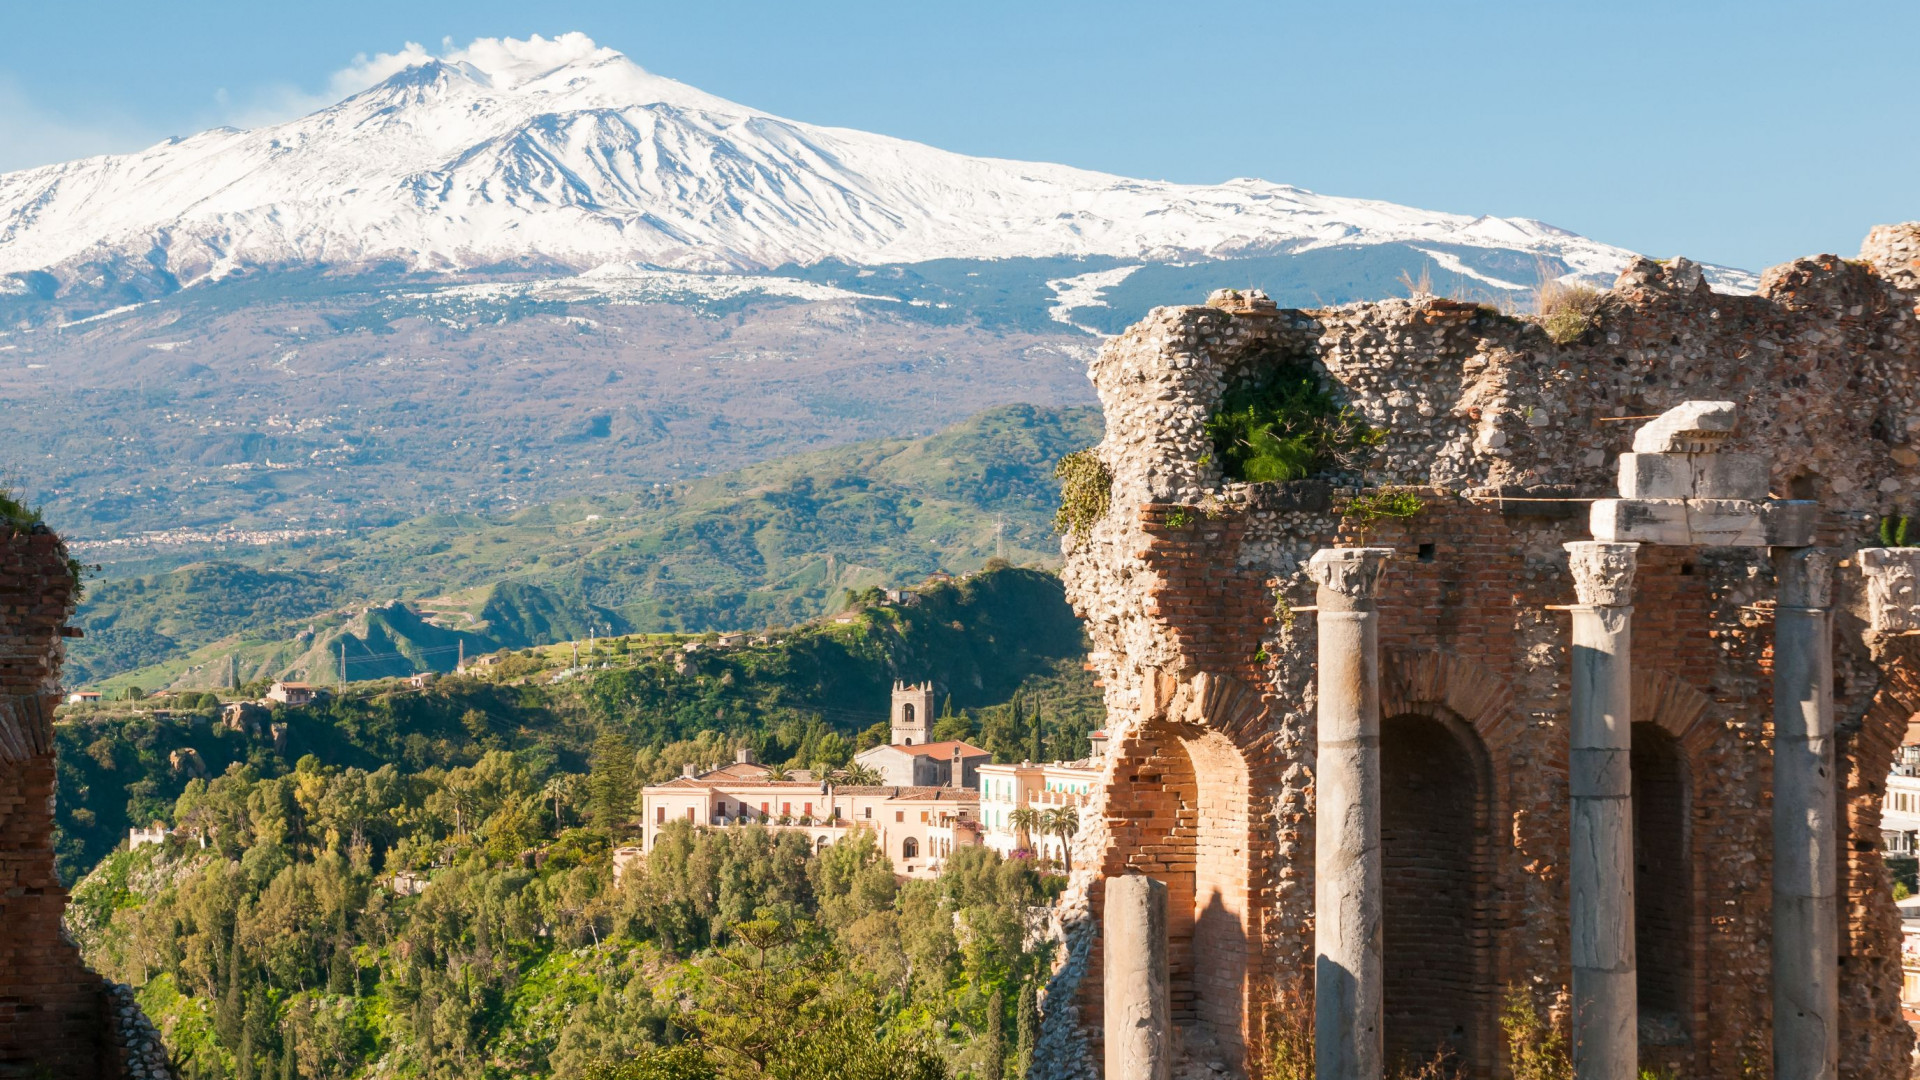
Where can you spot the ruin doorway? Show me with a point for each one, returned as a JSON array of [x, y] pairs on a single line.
[[1662, 886], [1186, 805], [1434, 845]]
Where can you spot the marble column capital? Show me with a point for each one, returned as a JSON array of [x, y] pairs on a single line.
[[1602, 572], [1805, 576], [1348, 575]]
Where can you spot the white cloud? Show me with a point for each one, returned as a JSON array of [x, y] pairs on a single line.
[[274, 103]]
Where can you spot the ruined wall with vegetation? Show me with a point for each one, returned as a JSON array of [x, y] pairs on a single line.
[[1492, 430], [56, 1017]]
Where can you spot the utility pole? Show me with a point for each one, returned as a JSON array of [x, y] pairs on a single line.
[[343, 667], [1000, 536], [576, 654], [460, 665]]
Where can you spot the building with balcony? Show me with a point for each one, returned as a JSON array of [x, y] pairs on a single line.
[[1006, 789], [918, 826]]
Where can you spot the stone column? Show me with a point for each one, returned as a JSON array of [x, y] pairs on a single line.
[[1139, 1006], [1348, 997], [1606, 1009], [1806, 927]]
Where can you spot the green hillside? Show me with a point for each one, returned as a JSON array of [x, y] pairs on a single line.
[[774, 544]]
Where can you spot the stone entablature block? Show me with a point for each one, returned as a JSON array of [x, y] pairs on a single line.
[[1676, 488], [1693, 476], [1706, 522]]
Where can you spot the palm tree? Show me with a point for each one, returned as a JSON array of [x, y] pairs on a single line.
[[1026, 821], [778, 773], [1064, 822], [858, 775]]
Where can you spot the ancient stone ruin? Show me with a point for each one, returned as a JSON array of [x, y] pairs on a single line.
[[57, 1018], [1550, 694]]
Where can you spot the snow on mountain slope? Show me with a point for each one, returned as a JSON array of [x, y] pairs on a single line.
[[561, 153]]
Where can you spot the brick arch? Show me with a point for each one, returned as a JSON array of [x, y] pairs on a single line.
[[1871, 931], [1183, 795], [1432, 682]]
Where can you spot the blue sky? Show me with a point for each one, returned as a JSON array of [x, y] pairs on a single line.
[[1739, 133]]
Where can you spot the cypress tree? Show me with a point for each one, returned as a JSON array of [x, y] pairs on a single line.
[[996, 1041], [1028, 1030]]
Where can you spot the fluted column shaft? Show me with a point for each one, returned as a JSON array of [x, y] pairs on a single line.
[[1349, 994], [1605, 997], [1806, 925]]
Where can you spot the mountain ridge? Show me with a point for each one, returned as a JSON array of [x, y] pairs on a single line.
[[563, 153]]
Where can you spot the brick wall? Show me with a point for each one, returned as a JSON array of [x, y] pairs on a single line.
[[1209, 681], [55, 1019]]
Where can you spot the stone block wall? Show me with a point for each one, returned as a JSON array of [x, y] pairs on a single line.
[[1187, 583], [57, 1018]]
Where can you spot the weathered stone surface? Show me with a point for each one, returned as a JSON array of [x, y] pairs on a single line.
[[1705, 522], [1693, 476], [1806, 848], [1893, 588], [1691, 427], [1138, 1010], [1214, 793], [1348, 987]]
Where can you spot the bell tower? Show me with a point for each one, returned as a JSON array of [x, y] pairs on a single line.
[[912, 713]]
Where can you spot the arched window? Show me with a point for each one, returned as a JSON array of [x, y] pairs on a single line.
[[909, 848], [906, 713]]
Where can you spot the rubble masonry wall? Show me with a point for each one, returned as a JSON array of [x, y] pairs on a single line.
[[1209, 782]]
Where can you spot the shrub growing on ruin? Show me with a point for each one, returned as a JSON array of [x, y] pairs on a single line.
[[1894, 532], [1537, 1051], [1285, 425], [1567, 311], [1086, 491]]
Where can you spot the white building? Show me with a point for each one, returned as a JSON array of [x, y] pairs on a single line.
[[916, 826], [1005, 789], [1900, 812]]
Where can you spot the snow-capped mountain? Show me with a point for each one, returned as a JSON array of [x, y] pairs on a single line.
[[561, 153]]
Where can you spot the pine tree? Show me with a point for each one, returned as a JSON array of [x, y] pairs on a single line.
[[1034, 752], [610, 784], [1028, 1029]]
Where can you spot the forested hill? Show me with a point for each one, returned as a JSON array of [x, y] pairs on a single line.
[[777, 543], [1002, 647], [283, 946]]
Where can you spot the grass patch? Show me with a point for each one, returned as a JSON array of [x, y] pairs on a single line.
[[1566, 311]]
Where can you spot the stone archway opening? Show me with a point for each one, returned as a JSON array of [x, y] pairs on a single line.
[[1662, 886], [1189, 812], [1434, 807]]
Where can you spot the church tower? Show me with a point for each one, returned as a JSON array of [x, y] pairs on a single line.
[[912, 713]]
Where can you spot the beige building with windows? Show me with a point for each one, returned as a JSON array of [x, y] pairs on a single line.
[[917, 827], [1004, 789]]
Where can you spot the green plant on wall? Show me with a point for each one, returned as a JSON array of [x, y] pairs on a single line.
[[1894, 532], [1369, 508], [1179, 518], [1286, 425], [1086, 492]]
